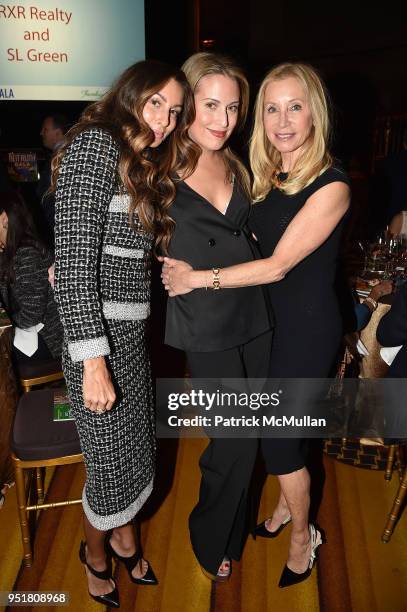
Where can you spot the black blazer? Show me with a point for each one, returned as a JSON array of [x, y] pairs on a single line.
[[392, 331], [207, 320], [29, 299]]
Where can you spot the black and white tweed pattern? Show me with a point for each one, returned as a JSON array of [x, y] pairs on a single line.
[[102, 287]]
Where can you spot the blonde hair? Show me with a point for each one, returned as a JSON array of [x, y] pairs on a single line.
[[265, 160], [203, 64]]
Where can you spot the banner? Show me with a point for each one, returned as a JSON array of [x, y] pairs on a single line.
[[22, 165], [67, 49]]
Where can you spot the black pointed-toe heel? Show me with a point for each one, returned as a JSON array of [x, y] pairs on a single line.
[[288, 577], [262, 531], [130, 563], [109, 599]]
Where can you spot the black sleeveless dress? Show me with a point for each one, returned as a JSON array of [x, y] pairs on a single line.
[[308, 324]]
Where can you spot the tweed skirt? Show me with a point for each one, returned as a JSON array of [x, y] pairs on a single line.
[[118, 445]]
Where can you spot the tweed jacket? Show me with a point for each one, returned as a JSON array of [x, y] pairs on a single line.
[[102, 265], [29, 298]]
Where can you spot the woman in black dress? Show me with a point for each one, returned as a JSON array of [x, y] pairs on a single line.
[[300, 203], [217, 331]]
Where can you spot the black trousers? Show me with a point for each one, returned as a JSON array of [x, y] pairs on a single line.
[[217, 523]]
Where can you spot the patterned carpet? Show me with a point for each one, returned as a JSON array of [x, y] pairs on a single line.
[[355, 571]]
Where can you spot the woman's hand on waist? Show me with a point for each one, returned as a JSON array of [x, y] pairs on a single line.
[[98, 391], [179, 277]]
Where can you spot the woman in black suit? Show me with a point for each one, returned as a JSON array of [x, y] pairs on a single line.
[[217, 330]]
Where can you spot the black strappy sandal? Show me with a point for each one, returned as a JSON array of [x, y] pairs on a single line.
[[109, 599], [130, 563]]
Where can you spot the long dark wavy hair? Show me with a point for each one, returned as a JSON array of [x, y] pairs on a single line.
[[21, 232], [145, 172]]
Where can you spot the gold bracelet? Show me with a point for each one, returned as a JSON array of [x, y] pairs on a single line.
[[371, 301], [215, 279]]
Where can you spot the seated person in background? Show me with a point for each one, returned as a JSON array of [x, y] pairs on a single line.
[[398, 225], [351, 368], [25, 292], [364, 310], [392, 331], [356, 316]]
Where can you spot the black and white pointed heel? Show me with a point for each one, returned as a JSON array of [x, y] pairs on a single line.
[[130, 563], [288, 577]]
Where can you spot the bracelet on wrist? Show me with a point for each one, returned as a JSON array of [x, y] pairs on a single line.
[[215, 279]]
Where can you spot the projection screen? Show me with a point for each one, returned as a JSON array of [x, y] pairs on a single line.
[[67, 49]]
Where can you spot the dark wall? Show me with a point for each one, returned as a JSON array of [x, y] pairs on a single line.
[[169, 30], [365, 40], [361, 51]]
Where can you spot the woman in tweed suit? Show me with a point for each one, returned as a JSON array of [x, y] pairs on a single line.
[[108, 209]]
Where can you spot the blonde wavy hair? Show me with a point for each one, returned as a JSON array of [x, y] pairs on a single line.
[[203, 64], [265, 160]]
